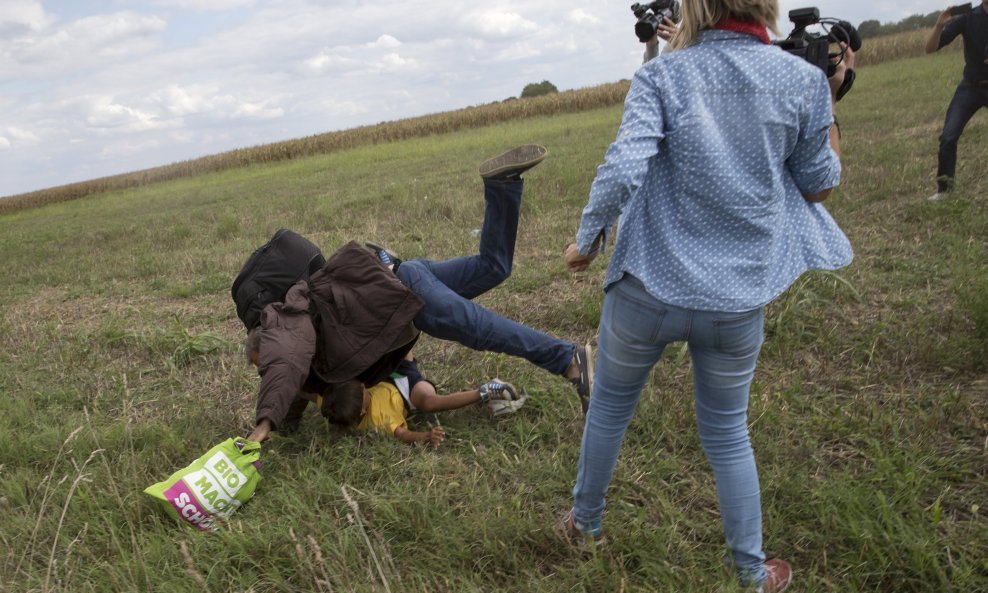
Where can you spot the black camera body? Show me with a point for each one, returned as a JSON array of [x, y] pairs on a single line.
[[650, 16], [814, 47]]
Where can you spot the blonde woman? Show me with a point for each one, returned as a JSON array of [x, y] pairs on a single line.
[[727, 147]]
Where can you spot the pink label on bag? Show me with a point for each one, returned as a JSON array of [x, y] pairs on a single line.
[[189, 509]]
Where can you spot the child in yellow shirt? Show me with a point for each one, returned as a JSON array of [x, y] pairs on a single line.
[[385, 407]]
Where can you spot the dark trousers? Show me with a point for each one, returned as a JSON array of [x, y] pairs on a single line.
[[968, 99]]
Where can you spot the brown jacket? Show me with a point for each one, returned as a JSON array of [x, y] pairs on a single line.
[[353, 319]]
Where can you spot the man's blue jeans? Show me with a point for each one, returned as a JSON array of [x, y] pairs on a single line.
[[634, 330], [447, 287], [967, 100]]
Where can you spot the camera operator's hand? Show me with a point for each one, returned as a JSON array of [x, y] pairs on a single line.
[[933, 42], [945, 18], [666, 29], [844, 64]]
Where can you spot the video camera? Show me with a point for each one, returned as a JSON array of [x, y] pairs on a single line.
[[650, 16], [814, 47]]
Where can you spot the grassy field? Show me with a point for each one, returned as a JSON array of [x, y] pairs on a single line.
[[120, 361]]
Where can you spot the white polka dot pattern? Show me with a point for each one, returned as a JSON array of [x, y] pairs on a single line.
[[717, 146]]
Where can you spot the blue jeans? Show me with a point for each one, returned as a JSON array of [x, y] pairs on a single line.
[[446, 287], [634, 330], [968, 99]]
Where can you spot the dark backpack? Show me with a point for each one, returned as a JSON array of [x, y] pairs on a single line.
[[270, 271]]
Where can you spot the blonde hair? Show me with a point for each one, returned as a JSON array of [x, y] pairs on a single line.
[[704, 14]]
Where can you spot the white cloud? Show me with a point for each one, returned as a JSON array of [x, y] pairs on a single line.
[[343, 108], [128, 147], [327, 60], [493, 23], [109, 117], [392, 61], [21, 135], [517, 51], [384, 41], [83, 43], [204, 5], [4, 143], [581, 17], [247, 109], [20, 15], [179, 101], [204, 100]]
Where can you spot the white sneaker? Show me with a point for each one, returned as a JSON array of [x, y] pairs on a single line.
[[937, 196], [500, 407], [496, 389]]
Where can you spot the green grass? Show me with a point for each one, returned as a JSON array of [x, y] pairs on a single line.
[[120, 362]]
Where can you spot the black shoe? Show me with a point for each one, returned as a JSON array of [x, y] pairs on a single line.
[[387, 258], [584, 383], [511, 164]]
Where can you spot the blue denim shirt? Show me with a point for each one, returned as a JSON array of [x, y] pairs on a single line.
[[717, 146]]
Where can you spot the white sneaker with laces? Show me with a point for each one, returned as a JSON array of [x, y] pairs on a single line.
[[779, 576], [501, 407]]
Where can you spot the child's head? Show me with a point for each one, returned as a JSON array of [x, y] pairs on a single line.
[[344, 404]]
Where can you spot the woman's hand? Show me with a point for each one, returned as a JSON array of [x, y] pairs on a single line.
[[575, 262]]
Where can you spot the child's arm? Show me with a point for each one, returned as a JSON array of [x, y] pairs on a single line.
[[434, 436], [425, 399]]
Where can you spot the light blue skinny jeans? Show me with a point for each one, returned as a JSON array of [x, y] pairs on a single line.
[[634, 330]]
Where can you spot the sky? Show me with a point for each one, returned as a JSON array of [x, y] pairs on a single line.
[[90, 88]]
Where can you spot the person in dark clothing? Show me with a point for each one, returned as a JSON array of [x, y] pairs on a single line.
[[359, 316], [972, 92]]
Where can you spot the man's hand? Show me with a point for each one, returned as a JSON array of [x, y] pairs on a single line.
[[945, 18], [933, 42], [576, 262], [261, 432]]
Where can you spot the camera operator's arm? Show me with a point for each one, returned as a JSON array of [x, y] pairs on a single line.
[[933, 43], [665, 31], [835, 82]]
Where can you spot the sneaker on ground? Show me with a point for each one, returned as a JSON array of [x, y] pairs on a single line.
[[937, 196], [502, 407], [511, 164], [779, 576], [497, 389], [579, 533]]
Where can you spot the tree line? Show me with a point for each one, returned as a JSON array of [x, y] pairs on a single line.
[[873, 28]]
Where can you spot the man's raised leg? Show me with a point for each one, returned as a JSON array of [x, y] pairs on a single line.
[[474, 275]]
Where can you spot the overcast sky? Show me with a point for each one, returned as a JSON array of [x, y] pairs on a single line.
[[90, 88]]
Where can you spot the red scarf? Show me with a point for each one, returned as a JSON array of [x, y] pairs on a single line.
[[759, 31]]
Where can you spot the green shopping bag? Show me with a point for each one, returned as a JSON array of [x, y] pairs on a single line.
[[211, 488]]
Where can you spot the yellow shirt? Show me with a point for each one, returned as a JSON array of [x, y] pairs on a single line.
[[386, 411]]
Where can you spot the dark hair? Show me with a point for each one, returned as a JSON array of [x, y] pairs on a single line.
[[342, 403]]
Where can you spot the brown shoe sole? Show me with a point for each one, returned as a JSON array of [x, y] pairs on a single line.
[[517, 160]]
